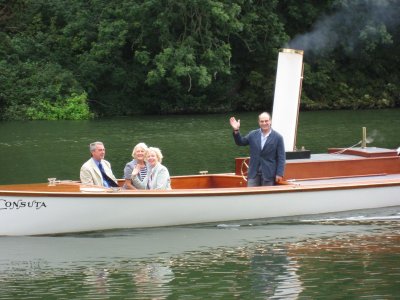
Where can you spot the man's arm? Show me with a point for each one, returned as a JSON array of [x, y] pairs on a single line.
[[235, 124], [281, 157], [86, 176], [239, 140]]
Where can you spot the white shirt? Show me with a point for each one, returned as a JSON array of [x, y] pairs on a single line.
[[264, 138]]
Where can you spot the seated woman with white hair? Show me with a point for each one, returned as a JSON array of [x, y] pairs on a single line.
[[158, 176], [139, 154]]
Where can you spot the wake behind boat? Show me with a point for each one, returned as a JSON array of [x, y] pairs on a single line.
[[366, 178]]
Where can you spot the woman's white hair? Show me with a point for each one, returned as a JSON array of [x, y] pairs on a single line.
[[140, 145], [158, 153]]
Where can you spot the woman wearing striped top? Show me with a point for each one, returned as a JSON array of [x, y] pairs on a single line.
[[139, 154]]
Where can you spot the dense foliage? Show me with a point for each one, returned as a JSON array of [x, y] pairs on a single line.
[[73, 59]]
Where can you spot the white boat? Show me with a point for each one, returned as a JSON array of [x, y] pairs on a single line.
[[342, 180], [324, 183]]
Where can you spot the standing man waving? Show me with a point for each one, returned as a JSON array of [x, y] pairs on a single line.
[[267, 151]]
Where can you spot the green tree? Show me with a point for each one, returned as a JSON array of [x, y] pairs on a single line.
[[170, 56]]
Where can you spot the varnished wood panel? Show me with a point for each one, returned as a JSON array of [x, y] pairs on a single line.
[[307, 169]]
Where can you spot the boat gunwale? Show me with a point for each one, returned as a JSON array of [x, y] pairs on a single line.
[[201, 192]]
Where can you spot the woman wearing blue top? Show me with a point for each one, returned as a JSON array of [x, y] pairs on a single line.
[[139, 154]]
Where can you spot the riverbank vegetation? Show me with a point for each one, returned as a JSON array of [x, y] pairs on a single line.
[[79, 59]]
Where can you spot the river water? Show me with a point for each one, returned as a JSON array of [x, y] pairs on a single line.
[[34, 151], [334, 257], [348, 255]]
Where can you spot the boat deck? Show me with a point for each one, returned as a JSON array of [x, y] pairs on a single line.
[[360, 179]]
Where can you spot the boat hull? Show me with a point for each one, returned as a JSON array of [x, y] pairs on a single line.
[[56, 214]]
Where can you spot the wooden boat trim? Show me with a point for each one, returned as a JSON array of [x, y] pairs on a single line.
[[334, 166], [365, 152], [339, 177], [286, 188]]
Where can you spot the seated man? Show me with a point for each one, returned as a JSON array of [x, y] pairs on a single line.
[[96, 170]]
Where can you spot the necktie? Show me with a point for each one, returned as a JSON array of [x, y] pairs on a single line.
[[107, 181]]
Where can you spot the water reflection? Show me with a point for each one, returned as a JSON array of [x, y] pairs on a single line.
[[365, 264], [97, 279], [270, 261], [152, 279], [290, 286]]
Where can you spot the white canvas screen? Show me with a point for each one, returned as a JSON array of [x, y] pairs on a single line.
[[287, 95]]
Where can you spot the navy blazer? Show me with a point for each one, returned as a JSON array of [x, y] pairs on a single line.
[[270, 159]]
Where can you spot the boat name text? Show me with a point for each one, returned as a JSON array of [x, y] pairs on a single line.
[[7, 204]]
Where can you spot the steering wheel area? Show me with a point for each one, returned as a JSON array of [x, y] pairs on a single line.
[[244, 168]]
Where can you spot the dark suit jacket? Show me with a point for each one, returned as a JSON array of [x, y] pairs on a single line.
[[270, 159]]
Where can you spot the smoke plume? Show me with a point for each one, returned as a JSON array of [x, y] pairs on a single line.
[[353, 22]]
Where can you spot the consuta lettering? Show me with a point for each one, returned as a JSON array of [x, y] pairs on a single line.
[[19, 204]]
